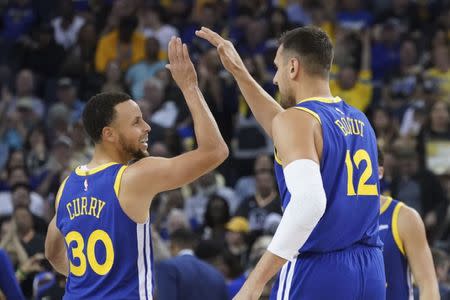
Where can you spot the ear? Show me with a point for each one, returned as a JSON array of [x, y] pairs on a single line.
[[294, 68], [108, 134]]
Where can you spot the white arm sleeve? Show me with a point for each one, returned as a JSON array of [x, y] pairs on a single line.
[[307, 206]]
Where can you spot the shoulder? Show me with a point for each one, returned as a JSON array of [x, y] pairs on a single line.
[[298, 116], [409, 221]]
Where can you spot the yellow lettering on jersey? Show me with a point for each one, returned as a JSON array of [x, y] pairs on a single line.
[[68, 206], [350, 126], [93, 206], [84, 206], [101, 204], [76, 207]]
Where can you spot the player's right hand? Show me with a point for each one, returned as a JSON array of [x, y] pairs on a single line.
[[180, 64], [227, 53]]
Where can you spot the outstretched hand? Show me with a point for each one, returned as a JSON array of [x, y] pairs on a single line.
[[227, 53], [180, 64]]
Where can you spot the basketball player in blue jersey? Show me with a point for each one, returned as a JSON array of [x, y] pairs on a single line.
[[327, 244], [405, 249], [100, 236]]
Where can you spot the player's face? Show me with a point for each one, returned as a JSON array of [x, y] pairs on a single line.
[[132, 130], [282, 80]]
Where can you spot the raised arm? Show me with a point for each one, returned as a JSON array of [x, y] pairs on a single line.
[[412, 234], [263, 106], [151, 175]]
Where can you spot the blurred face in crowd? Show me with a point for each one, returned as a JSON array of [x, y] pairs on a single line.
[[152, 48], [67, 94], [256, 32], [217, 211], [381, 119], [17, 175], [408, 165], [113, 72], [21, 197], [62, 153], [176, 220], [408, 53], [16, 159], [234, 238], [153, 92], [440, 117], [24, 220], [131, 129], [347, 77], [208, 16], [441, 57], [37, 137], [24, 83], [87, 34], [264, 182], [66, 8]]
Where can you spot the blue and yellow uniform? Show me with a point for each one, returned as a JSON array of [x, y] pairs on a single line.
[[342, 257], [110, 256], [398, 273]]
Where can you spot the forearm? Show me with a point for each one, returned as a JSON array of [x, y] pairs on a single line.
[[206, 130], [429, 291], [60, 263], [267, 267], [263, 106]]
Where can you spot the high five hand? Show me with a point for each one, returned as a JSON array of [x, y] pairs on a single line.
[[180, 64], [228, 54]]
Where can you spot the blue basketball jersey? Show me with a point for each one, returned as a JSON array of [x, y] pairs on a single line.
[[398, 274], [110, 256], [350, 178]]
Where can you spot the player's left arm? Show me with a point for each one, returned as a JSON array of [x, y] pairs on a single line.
[[412, 234], [55, 249], [297, 136]]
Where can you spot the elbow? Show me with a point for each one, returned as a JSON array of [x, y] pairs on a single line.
[[222, 152]]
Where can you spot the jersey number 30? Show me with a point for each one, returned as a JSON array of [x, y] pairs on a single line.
[[78, 252], [364, 189]]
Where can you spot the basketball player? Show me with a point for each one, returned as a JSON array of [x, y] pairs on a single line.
[[405, 249], [327, 244], [100, 236]]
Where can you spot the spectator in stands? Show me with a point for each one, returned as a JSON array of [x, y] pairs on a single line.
[[67, 98], [217, 215], [353, 16], [206, 186], [137, 74], [113, 78], [18, 175], [440, 71], [17, 20], [36, 149], [353, 86], [385, 127], [185, 276], [236, 238], [124, 45], [263, 202], [67, 25], [419, 188], [386, 49], [152, 25]]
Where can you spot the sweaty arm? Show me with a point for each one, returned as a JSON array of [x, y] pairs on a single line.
[[151, 175], [412, 234], [300, 155], [55, 249]]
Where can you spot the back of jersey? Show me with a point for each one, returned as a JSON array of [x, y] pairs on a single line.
[[109, 254], [350, 177]]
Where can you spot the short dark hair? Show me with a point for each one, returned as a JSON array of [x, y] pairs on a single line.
[[183, 238], [313, 47], [99, 112]]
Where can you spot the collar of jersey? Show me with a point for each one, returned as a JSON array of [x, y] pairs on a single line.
[[322, 99], [81, 172]]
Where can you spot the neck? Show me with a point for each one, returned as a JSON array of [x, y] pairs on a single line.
[[310, 87], [383, 199], [103, 155]]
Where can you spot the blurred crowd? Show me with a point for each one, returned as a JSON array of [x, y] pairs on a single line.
[[392, 61]]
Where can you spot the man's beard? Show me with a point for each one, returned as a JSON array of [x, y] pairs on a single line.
[[134, 154], [287, 99]]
